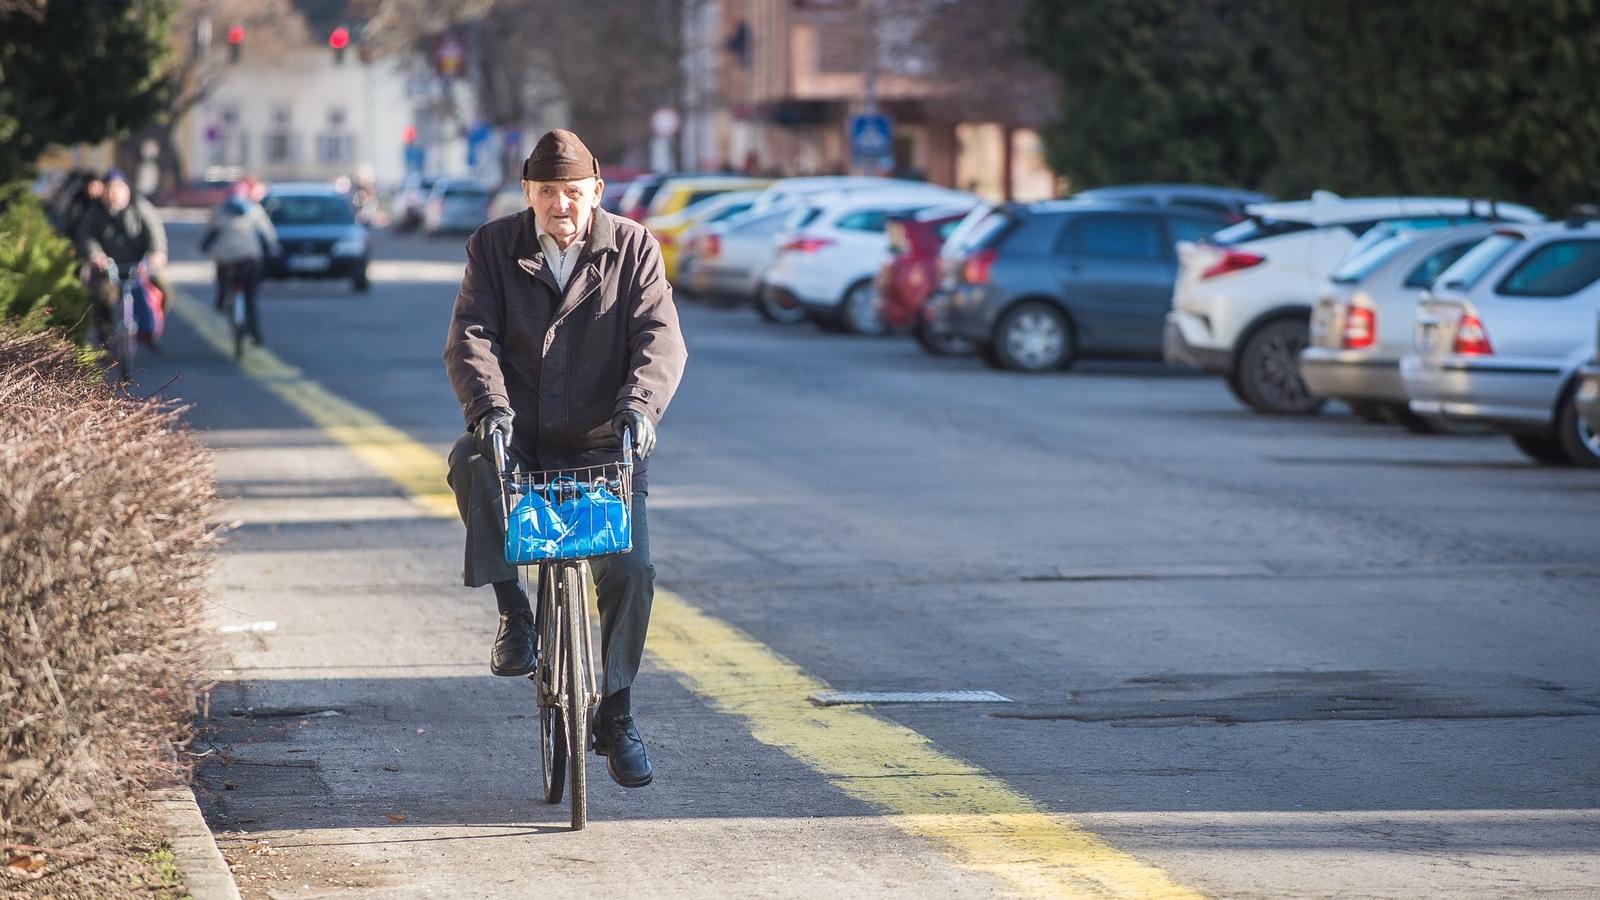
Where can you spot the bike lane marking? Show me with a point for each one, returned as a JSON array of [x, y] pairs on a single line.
[[975, 817]]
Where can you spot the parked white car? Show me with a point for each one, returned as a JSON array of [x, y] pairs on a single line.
[[790, 192], [828, 261], [455, 205], [1361, 325], [1242, 301], [1501, 336]]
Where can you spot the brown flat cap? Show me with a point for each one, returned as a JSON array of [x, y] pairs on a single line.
[[559, 156]]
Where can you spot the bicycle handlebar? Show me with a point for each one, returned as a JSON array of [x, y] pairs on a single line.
[[499, 449]]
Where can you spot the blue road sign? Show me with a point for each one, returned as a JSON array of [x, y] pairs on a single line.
[[871, 141]]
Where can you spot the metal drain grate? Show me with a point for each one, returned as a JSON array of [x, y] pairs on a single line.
[[844, 698]]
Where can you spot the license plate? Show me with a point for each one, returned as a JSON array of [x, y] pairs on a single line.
[[1428, 340], [308, 262]]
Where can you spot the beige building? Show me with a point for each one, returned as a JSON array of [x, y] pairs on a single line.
[[771, 85]]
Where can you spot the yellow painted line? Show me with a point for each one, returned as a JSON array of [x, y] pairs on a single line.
[[972, 815], [386, 449]]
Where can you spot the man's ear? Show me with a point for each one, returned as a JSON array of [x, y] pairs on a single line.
[[599, 189], [527, 192]]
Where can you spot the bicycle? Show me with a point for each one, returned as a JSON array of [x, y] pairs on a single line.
[[564, 677], [123, 338], [238, 307]]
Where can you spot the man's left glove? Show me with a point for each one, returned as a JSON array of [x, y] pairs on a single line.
[[495, 420], [644, 432]]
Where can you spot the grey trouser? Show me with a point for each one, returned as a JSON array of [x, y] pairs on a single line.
[[624, 585]]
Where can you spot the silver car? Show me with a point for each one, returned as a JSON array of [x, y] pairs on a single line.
[[1500, 337], [455, 205], [1362, 321], [730, 256]]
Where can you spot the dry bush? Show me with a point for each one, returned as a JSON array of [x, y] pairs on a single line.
[[105, 535]]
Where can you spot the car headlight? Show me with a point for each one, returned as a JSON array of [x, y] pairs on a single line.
[[350, 246]]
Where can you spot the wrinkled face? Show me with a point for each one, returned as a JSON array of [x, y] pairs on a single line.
[[117, 194], [563, 208]]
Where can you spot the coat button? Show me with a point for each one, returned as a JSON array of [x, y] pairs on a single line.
[[544, 395]]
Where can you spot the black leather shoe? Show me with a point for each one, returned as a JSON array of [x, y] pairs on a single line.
[[619, 742], [514, 651]]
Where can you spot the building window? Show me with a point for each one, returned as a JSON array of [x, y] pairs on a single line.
[[281, 139], [335, 144]]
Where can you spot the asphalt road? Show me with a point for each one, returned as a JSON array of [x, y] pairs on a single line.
[[1261, 657]]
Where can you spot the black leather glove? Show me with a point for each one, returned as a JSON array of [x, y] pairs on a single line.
[[495, 420], [644, 432]]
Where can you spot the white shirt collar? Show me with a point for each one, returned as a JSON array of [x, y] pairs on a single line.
[[561, 263]]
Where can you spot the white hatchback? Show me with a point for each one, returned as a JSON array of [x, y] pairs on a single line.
[[828, 259], [1241, 306]]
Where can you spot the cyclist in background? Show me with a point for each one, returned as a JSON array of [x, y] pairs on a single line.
[[236, 238], [123, 228]]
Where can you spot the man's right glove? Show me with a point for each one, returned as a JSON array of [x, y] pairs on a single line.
[[497, 419]]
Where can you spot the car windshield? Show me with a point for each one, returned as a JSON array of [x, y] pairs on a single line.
[[328, 209], [1480, 259], [977, 229], [1255, 229], [1363, 261]]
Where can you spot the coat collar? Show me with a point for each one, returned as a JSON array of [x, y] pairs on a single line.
[[602, 237]]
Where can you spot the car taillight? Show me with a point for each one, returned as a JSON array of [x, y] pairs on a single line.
[[806, 245], [711, 246], [977, 267], [1360, 328], [1233, 261], [1471, 339]]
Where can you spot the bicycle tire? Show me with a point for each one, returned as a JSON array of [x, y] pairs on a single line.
[[553, 751], [577, 684], [123, 339], [237, 317]]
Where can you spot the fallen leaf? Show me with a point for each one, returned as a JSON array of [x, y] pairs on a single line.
[[27, 865], [395, 817]]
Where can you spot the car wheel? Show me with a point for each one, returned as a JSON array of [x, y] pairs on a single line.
[[771, 306], [1582, 446], [859, 310], [1544, 449], [1034, 337], [359, 282], [1368, 411], [1269, 370], [942, 344]]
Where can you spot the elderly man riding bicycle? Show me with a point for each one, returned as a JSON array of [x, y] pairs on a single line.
[[564, 336]]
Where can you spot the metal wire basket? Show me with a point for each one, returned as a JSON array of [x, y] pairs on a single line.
[[593, 505]]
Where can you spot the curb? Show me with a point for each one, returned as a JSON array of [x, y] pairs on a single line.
[[204, 870]]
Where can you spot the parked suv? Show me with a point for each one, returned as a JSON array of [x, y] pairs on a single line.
[[1229, 202], [1241, 307], [1500, 337], [1361, 325], [1043, 284]]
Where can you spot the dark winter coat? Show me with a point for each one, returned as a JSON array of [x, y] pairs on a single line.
[[565, 362]]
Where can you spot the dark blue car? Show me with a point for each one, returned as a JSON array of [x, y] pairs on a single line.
[[318, 234], [1043, 284]]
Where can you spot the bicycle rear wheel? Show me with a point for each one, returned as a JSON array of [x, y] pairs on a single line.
[[577, 684], [238, 319], [549, 680]]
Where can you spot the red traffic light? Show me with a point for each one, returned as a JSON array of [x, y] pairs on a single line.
[[408, 134], [236, 35], [339, 38]]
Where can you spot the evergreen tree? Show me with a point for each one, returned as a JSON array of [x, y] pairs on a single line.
[[77, 72]]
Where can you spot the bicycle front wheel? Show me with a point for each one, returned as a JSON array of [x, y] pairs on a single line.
[[550, 678], [577, 712]]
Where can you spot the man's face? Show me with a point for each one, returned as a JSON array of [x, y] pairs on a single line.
[[117, 194], [563, 208]]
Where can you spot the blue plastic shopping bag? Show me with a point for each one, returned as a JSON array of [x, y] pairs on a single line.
[[534, 531], [596, 519]]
